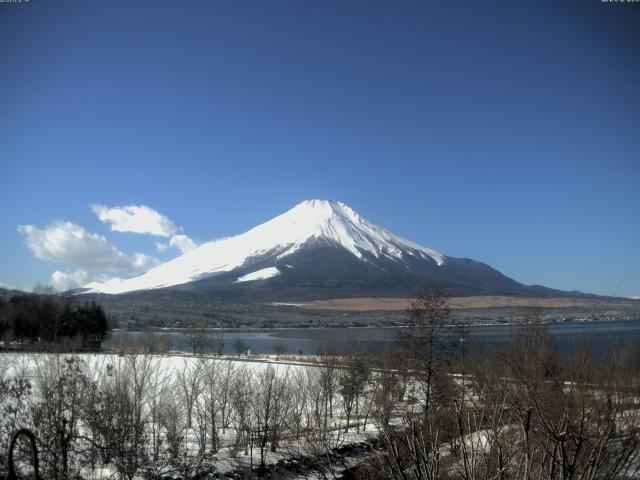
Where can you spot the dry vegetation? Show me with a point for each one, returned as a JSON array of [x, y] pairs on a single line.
[[519, 413], [456, 303]]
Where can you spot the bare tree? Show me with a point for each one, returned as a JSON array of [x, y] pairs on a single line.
[[61, 383], [298, 412], [427, 317], [241, 401], [240, 346], [573, 416], [173, 425], [196, 339], [225, 386], [16, 394], [352, 380], [211, 403], [218, 342], [323, 434], [279, 349], [160, 391], [189, 380], [270, 408], [413, 448], [116, 414]]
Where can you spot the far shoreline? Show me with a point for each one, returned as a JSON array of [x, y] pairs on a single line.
[[551, 322], [382, 304]]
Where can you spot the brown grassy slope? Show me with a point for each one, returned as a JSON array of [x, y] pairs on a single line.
[[367, 304]]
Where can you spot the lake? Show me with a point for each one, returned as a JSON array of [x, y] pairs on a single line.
[[602, 335]]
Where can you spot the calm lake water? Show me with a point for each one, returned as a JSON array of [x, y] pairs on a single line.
[[602, 335]]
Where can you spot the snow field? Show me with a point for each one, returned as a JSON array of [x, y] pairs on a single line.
[[167, 378]]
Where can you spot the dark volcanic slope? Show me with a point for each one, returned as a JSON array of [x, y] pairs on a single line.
[[322, 271]]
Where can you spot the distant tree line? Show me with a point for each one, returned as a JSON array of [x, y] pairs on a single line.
[[37, 321]]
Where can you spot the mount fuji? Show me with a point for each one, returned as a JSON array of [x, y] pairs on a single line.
[[319, 249]]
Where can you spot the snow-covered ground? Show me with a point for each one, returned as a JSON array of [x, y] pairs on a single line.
[[177, 371], [231, 399]]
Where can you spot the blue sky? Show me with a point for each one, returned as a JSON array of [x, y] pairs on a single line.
[[503, 131]]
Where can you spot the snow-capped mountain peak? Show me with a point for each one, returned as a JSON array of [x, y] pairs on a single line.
[[331, 222], [336, 221]]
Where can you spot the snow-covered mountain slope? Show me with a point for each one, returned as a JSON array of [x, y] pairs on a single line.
[[309, 224]]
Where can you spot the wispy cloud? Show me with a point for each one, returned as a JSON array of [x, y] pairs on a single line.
[[161, 247], [182, 243], [62, 281], [135, 219], [145, 220], [69, 243]]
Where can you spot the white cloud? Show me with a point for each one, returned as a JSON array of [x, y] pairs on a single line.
[[144, 219], [136, 219], [144, 262], [182, 243], [161, 247], [63, 281], [71, 244], [7, 286]]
